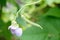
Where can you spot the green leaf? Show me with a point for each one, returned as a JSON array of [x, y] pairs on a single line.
[[52, 25], [21, 21], [2, 3], [53, 12], [4, 32], [34, 33]]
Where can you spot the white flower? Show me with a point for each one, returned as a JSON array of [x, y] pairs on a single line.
[[15, 30]]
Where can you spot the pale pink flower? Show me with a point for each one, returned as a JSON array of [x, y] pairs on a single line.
[[15, 30]]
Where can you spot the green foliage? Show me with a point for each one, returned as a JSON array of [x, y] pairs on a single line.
[[54, 12], [4, 32], [51, 24], [21, 22], [32, 16]]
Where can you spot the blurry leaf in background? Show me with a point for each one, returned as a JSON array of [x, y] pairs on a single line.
[[35, 33], [51, 28], [50, 21], [4, 34], [21, 22], [2, 4], [53, 12]]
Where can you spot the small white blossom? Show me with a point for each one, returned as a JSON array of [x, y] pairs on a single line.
[[15, 30]]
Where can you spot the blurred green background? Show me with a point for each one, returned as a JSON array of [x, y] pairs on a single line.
[[43, 12]]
